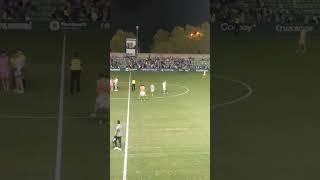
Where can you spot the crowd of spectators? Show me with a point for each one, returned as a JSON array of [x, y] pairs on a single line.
[[15, 10], [161, 63], [174, 63], [89, 10], [259, 13], [115, 62]]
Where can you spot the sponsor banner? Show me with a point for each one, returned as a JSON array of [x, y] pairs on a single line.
[[266, 28], [21, 26], [167, 70], [229, 27], [131, 46], [200, 70], [292, 28], [147, 69], [127, 69], [58, 26], [53, 26], [78, 26], [115, 69]]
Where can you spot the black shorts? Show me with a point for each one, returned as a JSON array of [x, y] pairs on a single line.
[[117, 141], [118, 138]]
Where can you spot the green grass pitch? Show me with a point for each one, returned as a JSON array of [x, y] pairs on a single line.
[[29, 122], [273, 133], [169, 135]]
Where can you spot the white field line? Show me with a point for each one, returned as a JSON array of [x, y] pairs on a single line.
[[186, 91], [245, 96], [125, 161], [57, 174]]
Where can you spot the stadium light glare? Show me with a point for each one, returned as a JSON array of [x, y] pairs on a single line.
[[195, 35]]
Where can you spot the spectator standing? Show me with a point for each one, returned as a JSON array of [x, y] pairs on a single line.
[[5, 71], [66, 14]]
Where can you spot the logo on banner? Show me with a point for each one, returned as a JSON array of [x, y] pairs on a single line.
[[200, 70], [16, 26], [131, 46], [149, 69], [167, 70], [292, 28], [105, 25], [225, 27], [117, 69], [54, 25]]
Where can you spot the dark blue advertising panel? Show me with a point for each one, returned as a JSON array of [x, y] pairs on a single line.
[[265, 28], [55, 26]]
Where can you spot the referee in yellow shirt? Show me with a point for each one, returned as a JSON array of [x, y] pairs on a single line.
[[133, 85], [75, 68]]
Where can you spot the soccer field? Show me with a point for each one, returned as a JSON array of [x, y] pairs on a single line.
[[169, 135], [29, 121], [272, 133]]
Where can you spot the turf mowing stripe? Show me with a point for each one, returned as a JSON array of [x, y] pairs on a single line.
[[57, 175], [125, 163], [186, 91]]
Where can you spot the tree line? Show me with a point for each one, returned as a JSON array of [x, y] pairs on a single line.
[[188, 39]]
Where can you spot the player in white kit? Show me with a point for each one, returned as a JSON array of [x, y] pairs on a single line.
[[164, 87], [204, 74], [115, 81], [302, 42], [152, 89], [142, 94]]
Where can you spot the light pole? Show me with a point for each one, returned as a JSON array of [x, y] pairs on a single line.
[[137, 43]]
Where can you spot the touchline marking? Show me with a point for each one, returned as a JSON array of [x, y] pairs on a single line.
[[57, 174], [187, 90], [125, 163], [249, 93]]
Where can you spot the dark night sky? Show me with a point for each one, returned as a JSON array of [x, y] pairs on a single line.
[[151, 15]]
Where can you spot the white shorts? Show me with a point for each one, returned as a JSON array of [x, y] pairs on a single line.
[[152, 90], [102, 101], [17, 73], [142, 93]]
